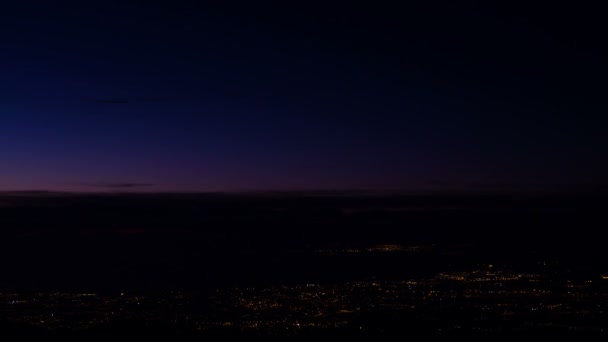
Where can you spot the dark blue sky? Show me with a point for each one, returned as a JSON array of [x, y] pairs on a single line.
[[189, 96]]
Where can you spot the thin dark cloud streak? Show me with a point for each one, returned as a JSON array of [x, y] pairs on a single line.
[[125, 101], [121, 185]]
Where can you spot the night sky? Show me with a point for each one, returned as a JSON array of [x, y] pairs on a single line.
[[246, 96]]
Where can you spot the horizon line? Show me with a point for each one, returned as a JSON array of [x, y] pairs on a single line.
[[555, 189]]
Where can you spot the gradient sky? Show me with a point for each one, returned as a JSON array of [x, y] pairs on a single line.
[[188, 96]]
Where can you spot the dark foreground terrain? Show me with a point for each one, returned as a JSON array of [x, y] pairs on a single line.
[[327, 264]]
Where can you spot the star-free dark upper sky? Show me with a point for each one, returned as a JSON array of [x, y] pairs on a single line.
[[231, 96]]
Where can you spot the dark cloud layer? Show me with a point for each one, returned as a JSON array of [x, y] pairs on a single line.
[[125, 185]]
